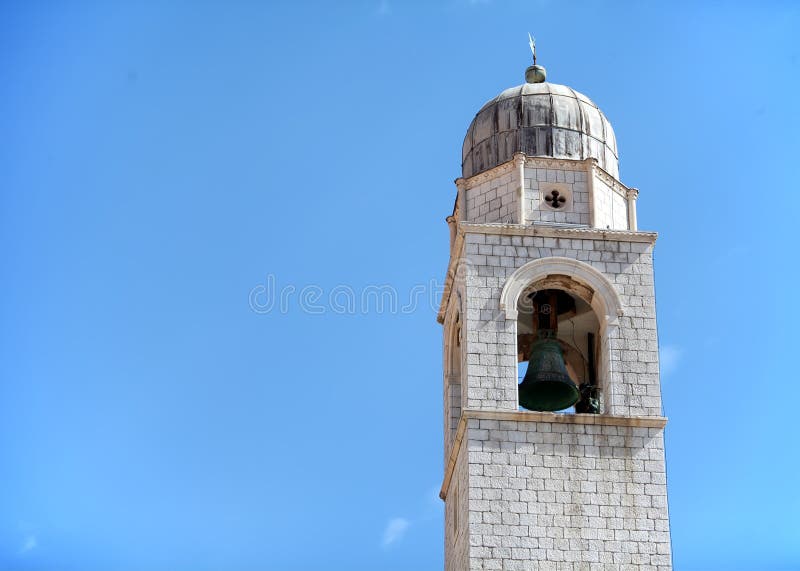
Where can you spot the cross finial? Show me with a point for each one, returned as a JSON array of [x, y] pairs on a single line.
[[532, 44], [534, 73]]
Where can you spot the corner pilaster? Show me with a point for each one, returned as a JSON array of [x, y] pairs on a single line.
[[519, 161]]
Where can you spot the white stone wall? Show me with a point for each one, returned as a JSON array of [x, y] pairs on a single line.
[[457, 521], [452, 400], [494, 199], [596, 198], [630, 343], [573, 177], [566, 497], [610, 205]]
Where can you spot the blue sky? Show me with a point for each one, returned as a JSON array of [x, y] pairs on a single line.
[[163, 161]]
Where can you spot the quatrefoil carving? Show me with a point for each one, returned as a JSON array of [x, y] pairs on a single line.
[[554, 199]]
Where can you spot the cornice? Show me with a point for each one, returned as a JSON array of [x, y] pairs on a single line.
[[529, 416], [490, 174], [611, 181], [551, 163], [455, 448], [585, 233], [534, 162]]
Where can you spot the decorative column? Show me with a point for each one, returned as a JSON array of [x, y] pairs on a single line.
[[461, 200], [632, 194]]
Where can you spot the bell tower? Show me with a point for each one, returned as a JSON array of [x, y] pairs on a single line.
[[554, 433]]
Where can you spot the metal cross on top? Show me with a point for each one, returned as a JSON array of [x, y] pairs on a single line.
[[532, 44], [555, 199]]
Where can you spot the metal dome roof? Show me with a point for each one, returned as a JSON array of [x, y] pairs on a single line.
[[540, 120]]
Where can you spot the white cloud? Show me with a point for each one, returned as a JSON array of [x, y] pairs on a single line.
[[28, 545], [395, 530], [670, 357]]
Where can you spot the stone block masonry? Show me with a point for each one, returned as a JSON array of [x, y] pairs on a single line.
[[632, 383], [566, 497], [494, 200], [560, 492], [538, 181], [594, 197]]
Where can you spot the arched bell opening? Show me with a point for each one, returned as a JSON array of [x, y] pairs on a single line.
[[558, 342], [452, 374]]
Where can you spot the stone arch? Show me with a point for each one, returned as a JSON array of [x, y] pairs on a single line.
[[605, 302], [581, 280], [453, 371]]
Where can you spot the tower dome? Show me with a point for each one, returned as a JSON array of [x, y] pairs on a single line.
[[541, 120]]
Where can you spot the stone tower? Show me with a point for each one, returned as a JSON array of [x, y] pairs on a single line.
[[539, 207]]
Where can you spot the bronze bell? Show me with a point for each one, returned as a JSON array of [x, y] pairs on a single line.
[[546, 386]]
